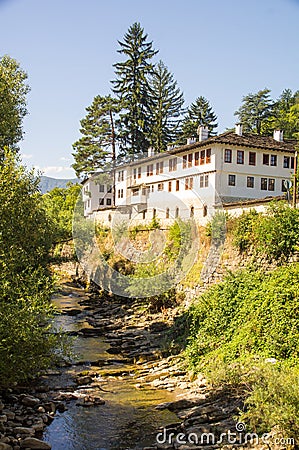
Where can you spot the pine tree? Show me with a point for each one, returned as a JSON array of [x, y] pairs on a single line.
[[199, 113], [131, 87], [95, 150], [165, 108], [256, 112]]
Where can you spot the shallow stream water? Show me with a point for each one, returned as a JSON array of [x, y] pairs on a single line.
[[127, 420]]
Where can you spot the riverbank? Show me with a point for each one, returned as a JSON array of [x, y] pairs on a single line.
[[136, 343]]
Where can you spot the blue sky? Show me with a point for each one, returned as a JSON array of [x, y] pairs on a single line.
[[222, 50]]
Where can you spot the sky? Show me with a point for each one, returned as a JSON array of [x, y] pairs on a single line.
[[221, 50]]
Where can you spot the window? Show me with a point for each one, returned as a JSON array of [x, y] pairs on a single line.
[[201, 180], [143, 214], [240, 157], [190, 159], [202, 157], [184, 161], [159, 168], [172, 164], [153, 188], [228, 155], [135, 192], [108, 201], [273, 160], [271, 184], [196, 158], [192, 211], [286, 162], [154, 213], [208, 156], [101, 188], [264, 184], [188, 183], [177, 185], [139, 172], [149, 170], [232, 180], [250, 182], [167, 213], [252, 158], [177, 212], [101, 202], [120, 175], [109, 188], [145, 190], [207, 180], [120, 193], [109, 218], [160, 186], [169, 186], [135, 174], [265, 159]]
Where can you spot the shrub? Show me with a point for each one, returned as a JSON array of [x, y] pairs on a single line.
[[26, 344]]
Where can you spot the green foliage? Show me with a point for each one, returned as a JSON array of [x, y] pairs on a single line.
[[59, 204], [179, 239], [165, 107], [216, 227], [273, 399], [245, 226], [96, 148], [199, 113], [132, 88], [13, 91], [273, 235], [26, 344], [256, 111], [250, 313]]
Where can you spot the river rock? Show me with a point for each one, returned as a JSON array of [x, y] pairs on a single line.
[[4, 446], [23, 430], [34, 443], [29, 400]]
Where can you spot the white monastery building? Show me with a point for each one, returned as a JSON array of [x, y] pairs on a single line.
[[195, 179]]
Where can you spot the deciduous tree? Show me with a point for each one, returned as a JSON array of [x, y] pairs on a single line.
[[13, 91]]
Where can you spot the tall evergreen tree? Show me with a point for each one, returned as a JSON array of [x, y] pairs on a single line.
[[95, 150], [131, 87], [165, 107], [199, 113], [13, 91], [256, 111]]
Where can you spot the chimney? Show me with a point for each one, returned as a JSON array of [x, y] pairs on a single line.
[[203, 133], [278, 135], [191, 140], [150, 151], [239, 129]]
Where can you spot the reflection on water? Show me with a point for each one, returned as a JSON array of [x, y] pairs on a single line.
[[128, 420]]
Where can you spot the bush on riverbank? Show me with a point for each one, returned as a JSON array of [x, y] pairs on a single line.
[[26, 344], [237, 325]]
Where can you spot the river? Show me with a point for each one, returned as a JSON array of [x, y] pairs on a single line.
[[128, 419]]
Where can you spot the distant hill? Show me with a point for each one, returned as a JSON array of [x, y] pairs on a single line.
[[47, 183]]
